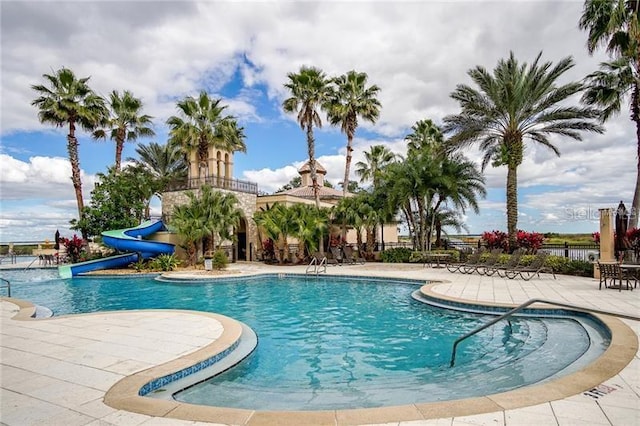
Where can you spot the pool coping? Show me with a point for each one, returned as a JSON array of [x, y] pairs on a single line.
[[124, 394]]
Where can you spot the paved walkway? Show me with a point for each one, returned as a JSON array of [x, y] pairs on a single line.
[[56, 371]]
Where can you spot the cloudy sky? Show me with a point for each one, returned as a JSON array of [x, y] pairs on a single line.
[[416, 52]]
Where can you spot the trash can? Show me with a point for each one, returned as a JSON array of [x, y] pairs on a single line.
[[208, 264]]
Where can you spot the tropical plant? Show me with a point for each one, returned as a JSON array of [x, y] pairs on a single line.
[[119, 200], [165, 262], [69, 101], [519, 103], [352, 99], [276, 222], [614, 25], [165, 162], [125, 122], [310, 91], [376, 159], [74, 247], [219, 260], [202, 124]]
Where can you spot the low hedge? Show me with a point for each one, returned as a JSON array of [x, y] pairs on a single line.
[[560, 265]]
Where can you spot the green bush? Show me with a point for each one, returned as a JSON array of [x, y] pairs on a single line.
[[165, 262], [140, 265], [396, 255], [219, 259]]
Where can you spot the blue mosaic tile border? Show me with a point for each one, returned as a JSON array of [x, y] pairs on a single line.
[[169, 378], [499, 310]]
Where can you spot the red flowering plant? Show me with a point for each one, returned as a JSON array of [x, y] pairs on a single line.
[[532, 241], [74, 248], [268, 249], [496, 239], [335, 241], [633, 235], [596, 237]]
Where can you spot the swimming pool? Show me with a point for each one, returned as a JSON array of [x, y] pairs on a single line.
[[339, 343]]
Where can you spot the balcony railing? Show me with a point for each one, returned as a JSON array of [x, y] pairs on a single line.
[[215, 182]]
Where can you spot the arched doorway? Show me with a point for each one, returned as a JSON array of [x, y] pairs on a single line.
[[241, 235]]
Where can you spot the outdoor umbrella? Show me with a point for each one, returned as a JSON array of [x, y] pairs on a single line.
[[57, 239], [622, 219]]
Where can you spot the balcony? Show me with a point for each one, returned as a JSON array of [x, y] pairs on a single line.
[[215, 182]]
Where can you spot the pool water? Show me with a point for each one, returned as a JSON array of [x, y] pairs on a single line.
[[332, 343]]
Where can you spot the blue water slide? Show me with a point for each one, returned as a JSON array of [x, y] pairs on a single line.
[[127, 240]]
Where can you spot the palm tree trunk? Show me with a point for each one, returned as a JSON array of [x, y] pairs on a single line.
[[119, 148], [314, 175], [345, 182], [635, 115], [72, 149], [512, 206]]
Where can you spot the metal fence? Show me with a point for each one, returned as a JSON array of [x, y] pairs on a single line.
[[586, 252], [215, 182]]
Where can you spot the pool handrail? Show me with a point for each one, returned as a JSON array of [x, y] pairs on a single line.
[[7, 285], [523, 306], [316, 266]]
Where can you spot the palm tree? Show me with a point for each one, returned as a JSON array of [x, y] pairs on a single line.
[[376, 159], [277, 223], [125, 123], [425, 134], [309, 92], [614, 24], [350, 100], [165, 162], [201, 124], [69, 101], [518, 103]]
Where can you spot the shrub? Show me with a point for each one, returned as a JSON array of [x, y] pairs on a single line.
[[498, 239], [140, 265], [74, 248], [165, 262], [396, 255], [219, 259]]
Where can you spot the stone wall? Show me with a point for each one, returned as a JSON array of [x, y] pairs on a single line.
[[246, 203]]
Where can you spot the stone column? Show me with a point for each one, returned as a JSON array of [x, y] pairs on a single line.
[[607, 243], [607, 231]]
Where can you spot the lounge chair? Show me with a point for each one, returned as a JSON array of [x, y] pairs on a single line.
[[512, 263], [351, 256], [535, 268], [473, 259], [482, 267]]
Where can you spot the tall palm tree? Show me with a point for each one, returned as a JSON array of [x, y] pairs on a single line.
[[165, 162], [614, 24], [69, 101], [309, 90], [376, 159], [352, 99], [201, 124], [519, 103], [125, 123]]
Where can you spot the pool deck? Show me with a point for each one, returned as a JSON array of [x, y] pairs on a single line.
[[60, 371]]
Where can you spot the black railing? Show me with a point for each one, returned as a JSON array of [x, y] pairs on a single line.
[[215, 182]]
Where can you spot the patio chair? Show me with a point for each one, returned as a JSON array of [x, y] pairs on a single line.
[[535, 268], [482, 267], [351, 256], [473, 259], [611, 272], [336, 255], [512, 263]]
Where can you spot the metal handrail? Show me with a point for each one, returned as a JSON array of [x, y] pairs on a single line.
[[316, 265], [314, 261], [7, 285], [531, 302]]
